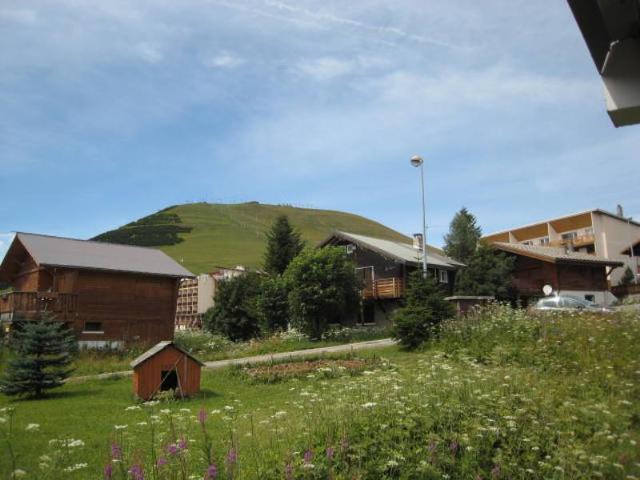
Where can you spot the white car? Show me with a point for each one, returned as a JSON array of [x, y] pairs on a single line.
[[561, 303]]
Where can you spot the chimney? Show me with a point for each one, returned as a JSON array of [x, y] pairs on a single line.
[[417, 241], [619, 211]]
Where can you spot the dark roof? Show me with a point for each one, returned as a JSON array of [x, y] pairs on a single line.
[[157, 349], [555, 255], [403, 252], [86, 254]]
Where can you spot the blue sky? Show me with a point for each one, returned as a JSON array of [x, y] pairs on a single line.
[[113, 110]]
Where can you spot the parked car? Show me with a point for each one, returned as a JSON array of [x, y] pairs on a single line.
[[561, 303]]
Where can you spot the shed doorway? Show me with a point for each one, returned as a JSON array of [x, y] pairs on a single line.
[[169, 380]]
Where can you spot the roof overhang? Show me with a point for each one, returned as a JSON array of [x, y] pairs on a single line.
[[341, 236], [559, 261], [611, 30]]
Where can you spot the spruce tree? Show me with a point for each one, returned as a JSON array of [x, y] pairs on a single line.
[[283, 245], [463, 236], [488, 273], [42, 355], [627, 278]]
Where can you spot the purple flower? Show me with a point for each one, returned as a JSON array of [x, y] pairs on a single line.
[[161, 462], [108, 471], [344, 444], [136, 472], [172, 449], [116, 451], [202, 416], [308, 456], [182, 443], [495, 471], [212, 473], [454, 446], [288, 472], [232, 457], [330, 452]]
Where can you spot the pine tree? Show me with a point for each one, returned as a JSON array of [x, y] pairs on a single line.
[[283, 245], [43, 351], [488, 272], [627, 278], [463, 236]]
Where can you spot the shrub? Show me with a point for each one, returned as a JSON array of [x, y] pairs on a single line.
[[273, 305], [323, 289], [43, 354], [200, 342], [235, 313], [425, 307]]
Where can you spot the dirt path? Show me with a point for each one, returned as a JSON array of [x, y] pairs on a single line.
[[349, 347]]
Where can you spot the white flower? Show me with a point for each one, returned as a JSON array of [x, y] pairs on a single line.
[[215, 412], [71, 443], [279, 414], [228, 408], [19, 473], [133, 407], [32, 427], [75, 467], [120, 427], [3, 420], [369, 405]]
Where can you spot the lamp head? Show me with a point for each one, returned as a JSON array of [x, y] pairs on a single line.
[[416, 160]]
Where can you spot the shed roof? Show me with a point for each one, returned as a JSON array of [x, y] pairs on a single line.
[[555, 254], [68, 252], [157, 349], [404, 252]]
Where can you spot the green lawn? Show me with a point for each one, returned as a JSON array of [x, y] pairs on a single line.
[[503, 395]]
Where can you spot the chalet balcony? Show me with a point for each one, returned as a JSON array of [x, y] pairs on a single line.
[[62, 306], [384, 288], [580, 241]]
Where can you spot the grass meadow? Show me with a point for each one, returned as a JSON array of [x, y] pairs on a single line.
[[501, 395]]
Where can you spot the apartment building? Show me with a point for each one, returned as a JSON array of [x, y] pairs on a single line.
[[597, 232], [196, 296]]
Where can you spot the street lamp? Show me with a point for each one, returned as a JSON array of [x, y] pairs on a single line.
[[417, 161]]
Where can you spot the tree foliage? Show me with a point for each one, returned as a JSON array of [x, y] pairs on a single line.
[[283, 245], [323, 289], [273, 305], [235, 312], [627, 277], [488, 272], [43, 351], [425, 307], [463, 236]]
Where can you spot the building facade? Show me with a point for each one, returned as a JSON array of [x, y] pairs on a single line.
[[384, 266], [196, 296], [596, 232], [109, 295]]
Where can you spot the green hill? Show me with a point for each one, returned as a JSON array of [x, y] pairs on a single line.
[[203, 236]]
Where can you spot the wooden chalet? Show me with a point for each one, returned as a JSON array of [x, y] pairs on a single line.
[[569, 272], [383, 267], [108, 294]]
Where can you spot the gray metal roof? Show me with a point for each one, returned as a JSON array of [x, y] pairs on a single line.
[[157, 349], [404, 252], [72, 253], [554, 254]]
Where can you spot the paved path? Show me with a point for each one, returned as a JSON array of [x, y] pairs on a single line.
[[349, 347]]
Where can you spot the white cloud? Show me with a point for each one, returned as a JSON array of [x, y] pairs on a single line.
[[20, 16], [224, 60], [148, 52], [326, 68]]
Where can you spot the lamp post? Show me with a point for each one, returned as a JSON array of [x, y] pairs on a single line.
[[417, 161]]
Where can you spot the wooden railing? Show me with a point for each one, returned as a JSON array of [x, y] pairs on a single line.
[[28, 304], [579, 241], [384, 288]]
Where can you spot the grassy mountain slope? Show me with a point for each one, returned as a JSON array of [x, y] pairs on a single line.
[[202, 235]]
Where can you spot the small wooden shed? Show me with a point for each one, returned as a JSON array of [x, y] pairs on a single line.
[[165, 367]]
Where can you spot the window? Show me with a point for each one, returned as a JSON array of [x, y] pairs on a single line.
[[94, 327], [544, 241], [569, 236], [528, 242], [444, 276]]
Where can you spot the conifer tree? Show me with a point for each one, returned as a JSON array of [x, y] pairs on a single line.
[[463, 236], [42, 355], [283, 245], [627, 277], [488, 272]]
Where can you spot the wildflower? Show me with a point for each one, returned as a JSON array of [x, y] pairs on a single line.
[[71, 443], [132, 407], [212, 473], [330, 451], [108, 471], [308, 456], [202, 416], [454, 446], [288, 472], [172, 449], [182, 443], [344, 444], [369, 405], [116, 451], [495, 471], [232, 457], [279, 414], [19, 473], [120, 427], [161, 462], [136, 472], [77, 466]]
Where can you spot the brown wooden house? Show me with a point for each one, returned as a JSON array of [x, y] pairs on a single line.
[[383, 267], [166, 367], [568, 272], [108, 294]]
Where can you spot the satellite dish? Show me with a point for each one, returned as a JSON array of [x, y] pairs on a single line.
[[547, 290]]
